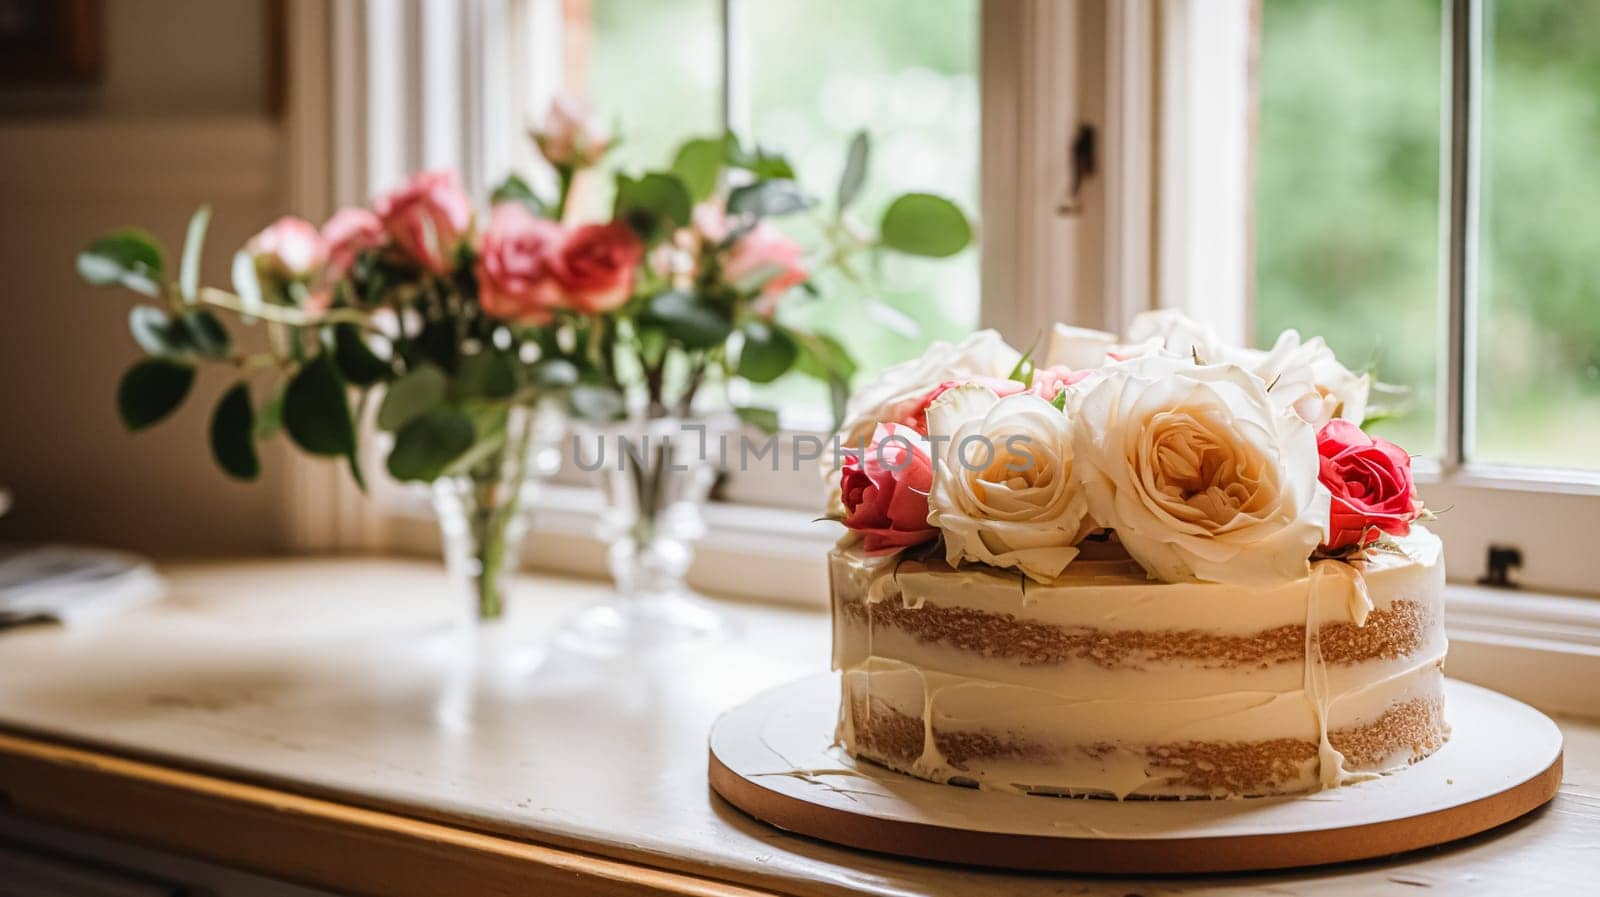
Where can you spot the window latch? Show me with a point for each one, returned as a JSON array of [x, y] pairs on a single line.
[[1080, 167], [1501, 560]]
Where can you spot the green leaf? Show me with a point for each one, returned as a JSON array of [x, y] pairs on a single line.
[[425, 447], [597, 402], [194, 242], [269, 417], [515, 189], [488, 374], [157, 333], [823, 357], [855, 170], [698, 164], [151, 390], [315, 411], [233, 434], [768, 352], [246, 283], [652, 205], [762, 164], [418, 392], [358, 364], [687, 320], [768, 198], [763, 419], [128, 258], [205, 334], [924, 224], [1022, 372]]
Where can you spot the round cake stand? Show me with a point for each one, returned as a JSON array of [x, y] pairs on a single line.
[[773, 758]]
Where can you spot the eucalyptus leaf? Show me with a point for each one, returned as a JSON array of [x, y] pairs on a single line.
[[926, 225], [763, 419], [418, 392], [193, 246], [128, 258], [246, 283], [358, 364], [156, 333], [553, 373], [233, 434], [151, 390], [855, 170], [490, 374], [698, 164], [766, 199], [653, 205], [205, 334], [687, 320], [427, 445], [315, 411], [767, 354]]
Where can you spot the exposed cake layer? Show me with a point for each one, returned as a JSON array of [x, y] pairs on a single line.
[[1078, 685]]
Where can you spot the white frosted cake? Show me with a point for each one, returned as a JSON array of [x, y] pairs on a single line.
[[1195, 587]]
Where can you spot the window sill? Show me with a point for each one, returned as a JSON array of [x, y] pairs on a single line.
[[1538, 647]]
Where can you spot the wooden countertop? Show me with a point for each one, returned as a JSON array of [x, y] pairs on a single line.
[[315, 721]]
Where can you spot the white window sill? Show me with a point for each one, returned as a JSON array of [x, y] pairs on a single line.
[[1538, 647]]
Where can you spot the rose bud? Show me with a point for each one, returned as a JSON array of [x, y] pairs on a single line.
[[289, 248], [571, 135]]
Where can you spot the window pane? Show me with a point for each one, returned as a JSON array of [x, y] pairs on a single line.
[[1347, 190], [907, 72], [1538, 352], [653, 68]]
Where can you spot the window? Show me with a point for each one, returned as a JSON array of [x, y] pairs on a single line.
[[1423, 198]]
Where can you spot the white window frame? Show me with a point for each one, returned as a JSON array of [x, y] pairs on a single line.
[[1129, 69]]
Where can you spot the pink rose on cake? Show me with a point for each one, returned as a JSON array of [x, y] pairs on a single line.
[[885, 488], [1199, 473], [1370, 479], [1005, 492]]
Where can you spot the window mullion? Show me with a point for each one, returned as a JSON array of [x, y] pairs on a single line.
[[735, 69], [1461, 232]]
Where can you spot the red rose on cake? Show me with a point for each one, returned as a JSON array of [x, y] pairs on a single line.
[[1370, 479], [885, 491]]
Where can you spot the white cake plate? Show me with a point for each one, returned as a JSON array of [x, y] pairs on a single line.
[[773, 758]]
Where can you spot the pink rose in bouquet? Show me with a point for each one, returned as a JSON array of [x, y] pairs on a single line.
[[769, 253], [349, 233], [572, 135], [427, 218], [595, 266], [1370, 479], [290, 248], [514, 279], [885, 491]]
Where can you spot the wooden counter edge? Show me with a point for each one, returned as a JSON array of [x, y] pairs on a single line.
[[303, 840]]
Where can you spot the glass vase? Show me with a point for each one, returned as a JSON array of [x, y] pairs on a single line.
[[484, 511], [655, 476]]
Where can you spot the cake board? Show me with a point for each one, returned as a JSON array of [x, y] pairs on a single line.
[[773, 758]]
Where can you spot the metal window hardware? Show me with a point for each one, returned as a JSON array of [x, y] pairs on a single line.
[[1502, 558], [1080, 166]]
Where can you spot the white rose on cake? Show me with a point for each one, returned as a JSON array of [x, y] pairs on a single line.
[[899, 390], [1176, 333], [1306, 377], [1199, 473], [1005, 492]]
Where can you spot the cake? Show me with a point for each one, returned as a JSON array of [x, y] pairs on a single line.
[[1206, 581]]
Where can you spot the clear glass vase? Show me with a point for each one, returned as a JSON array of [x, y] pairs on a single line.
[[655, 475], [484, 512]]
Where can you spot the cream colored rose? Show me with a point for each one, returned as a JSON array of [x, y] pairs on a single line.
[[1079, 348], [1306, 377], [1004, 489], [1176, 333], [888, 398], [1199, 473]]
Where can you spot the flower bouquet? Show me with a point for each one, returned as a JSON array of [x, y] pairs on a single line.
[[477, 334]]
